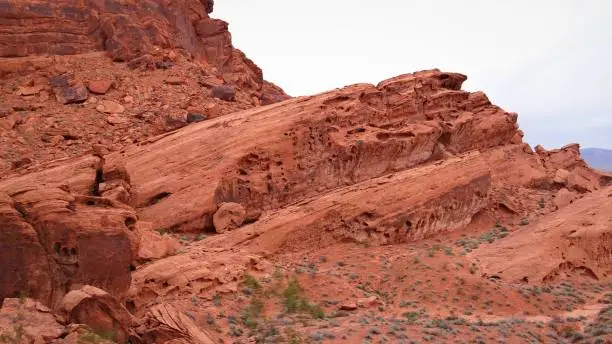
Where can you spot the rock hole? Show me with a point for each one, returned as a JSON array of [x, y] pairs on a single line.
[[131, 306], [99, 179], [159, 197], [65, 251], [90, 202], [445, 139], [382, 136], [132, 267], [525, 279], [73, 251], [165, 284], [408, 224], [130, 222], [57, 247]]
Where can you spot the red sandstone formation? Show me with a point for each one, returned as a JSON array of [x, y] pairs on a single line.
[[155, 189]]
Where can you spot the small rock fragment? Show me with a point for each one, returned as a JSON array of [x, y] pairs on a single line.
[[108, 106], [100, 86], [29, 91], [174, 80], [349, 306]]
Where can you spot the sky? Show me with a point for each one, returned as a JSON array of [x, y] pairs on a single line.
[[549, 61]]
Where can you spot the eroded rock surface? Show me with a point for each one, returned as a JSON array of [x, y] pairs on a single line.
[[126, 30], [167, 225], [575, 240], [303, 147], [54, 240]]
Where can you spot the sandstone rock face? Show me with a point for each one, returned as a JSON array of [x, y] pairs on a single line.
[[54, 240], [126, 30], [308, 145], [403, 161], [573, 241]]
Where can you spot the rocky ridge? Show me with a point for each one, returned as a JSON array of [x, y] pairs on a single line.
[[160, 191]]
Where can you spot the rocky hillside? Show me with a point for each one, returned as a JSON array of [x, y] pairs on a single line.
[[148, 197], [598, 158], [104, 74]]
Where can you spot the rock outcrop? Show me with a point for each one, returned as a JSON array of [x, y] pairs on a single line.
[[56, 236], [126, 30], [63, 96], [575, 240], [406, 160], [302, 147]]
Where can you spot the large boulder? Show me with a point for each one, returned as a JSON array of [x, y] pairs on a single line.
[[229, 216], [98, 310]]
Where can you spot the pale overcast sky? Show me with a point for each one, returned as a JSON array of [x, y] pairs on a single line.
[[548, 60]]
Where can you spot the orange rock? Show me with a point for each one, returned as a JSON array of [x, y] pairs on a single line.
[[155, 246], [349, 306], [99, 310], [229, 216], [35, 322], [110, 107], [100, 86], [29, 91]]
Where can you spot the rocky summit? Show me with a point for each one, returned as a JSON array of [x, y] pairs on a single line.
[[154, 188]]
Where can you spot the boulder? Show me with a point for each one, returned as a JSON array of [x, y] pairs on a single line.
[[156, 246], [226, 93], [100, 86], [98, 310], [368, 302], [194, 117], [229, 216], [65, 79], [71, 94]]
